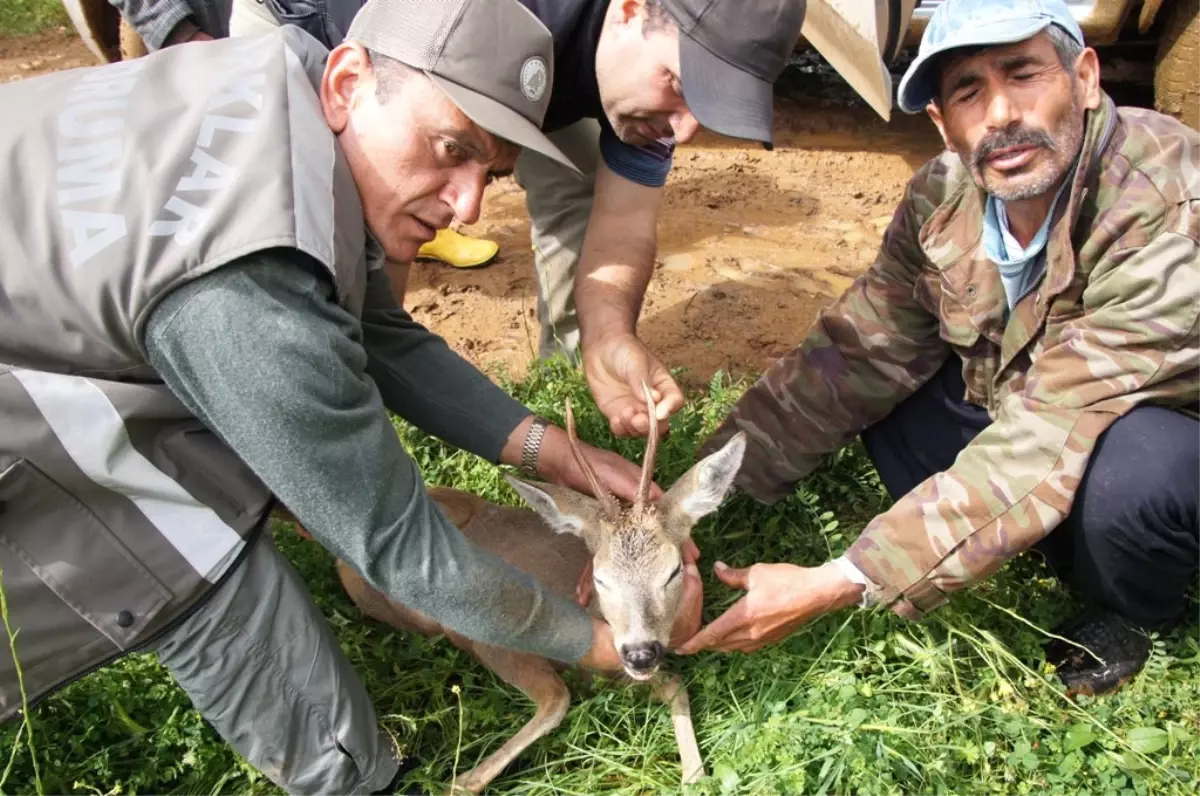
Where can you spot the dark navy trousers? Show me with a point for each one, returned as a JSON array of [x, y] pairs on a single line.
[[1130, 541]]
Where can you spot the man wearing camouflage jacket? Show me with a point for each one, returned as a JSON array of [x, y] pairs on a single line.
[[1021, 358]]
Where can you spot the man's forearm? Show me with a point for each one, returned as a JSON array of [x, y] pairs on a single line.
[[618, 257], [421, 379], [609, 290], [260, 353]]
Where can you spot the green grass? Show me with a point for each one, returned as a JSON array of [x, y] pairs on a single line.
[[857, 702], [21, 17]]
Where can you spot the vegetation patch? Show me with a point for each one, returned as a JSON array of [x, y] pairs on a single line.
[[857, 702], [22, 17]]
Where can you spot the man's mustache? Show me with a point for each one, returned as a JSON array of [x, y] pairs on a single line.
[[1003, 139]]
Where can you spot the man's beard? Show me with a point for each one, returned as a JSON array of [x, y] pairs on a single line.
[[1061, 152]]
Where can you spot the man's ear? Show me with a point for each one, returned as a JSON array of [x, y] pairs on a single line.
[[702, 488], [1087, 72], [348, 65], [935, 114], [563, 509]]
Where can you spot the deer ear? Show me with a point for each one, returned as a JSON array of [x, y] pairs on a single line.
[[563, 509], [702, 488]]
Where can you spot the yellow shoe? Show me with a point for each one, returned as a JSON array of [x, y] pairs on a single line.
[[458, 250]]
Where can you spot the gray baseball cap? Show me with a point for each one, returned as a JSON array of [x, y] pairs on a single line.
[[977, 23], [493, 58], [730, 53]]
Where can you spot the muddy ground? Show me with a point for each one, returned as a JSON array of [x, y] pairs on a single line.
[[48, 51], [752, 244]]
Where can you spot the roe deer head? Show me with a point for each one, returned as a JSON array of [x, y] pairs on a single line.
[[636, 560]]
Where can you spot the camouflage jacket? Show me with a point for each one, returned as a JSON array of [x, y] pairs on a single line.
[[1112, 324]]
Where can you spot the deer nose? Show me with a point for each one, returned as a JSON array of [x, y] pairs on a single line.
[[641, 657]]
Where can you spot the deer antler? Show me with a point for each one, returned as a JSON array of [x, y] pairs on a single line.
[[643, 493], [607, 502]]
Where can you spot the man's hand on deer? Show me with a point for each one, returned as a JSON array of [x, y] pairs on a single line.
[[616, 368], [779, 599], [558, 464], [615, 473], [603, 656], [691, 604]]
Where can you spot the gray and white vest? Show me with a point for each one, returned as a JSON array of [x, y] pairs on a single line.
[[119, 511]]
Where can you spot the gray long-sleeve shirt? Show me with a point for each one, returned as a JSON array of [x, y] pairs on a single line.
[[263, 355]]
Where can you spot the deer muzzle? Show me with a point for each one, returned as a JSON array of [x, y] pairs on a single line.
[[642, 660]]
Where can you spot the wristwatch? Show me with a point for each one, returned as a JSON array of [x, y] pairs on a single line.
[[533, 445]]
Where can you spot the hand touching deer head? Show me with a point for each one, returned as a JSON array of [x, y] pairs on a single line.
[[636, 561]]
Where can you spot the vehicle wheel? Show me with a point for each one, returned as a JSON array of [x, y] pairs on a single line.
[[97, 23], [1177, 66]]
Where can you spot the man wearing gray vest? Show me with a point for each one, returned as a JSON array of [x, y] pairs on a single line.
[[192, 321]]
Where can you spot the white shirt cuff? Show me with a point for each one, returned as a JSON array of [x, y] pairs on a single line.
[[855, 575]]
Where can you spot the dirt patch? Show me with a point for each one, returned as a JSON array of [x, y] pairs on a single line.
[[752, 244], [49, 51]]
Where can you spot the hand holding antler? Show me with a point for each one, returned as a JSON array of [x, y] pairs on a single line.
[[617, 367], [615, 475]]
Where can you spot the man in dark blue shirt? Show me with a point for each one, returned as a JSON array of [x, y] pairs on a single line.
[[622, 71]]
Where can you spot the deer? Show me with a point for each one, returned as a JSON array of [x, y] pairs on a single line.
[[637, 566]]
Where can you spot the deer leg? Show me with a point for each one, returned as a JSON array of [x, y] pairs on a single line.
[[670, 689], [538, 680]]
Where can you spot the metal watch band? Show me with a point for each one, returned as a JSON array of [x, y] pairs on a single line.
[[533, 445]]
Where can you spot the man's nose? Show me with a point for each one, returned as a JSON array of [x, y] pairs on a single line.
[[684, 126], [641, 657], [464, 194], [1000, 111]]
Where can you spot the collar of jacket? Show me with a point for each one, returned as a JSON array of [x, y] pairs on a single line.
[[952, 238]]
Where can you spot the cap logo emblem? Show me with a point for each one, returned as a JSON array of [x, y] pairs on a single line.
[[533, 78]]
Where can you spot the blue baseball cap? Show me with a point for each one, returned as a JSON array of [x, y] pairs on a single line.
[[977, 23]]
